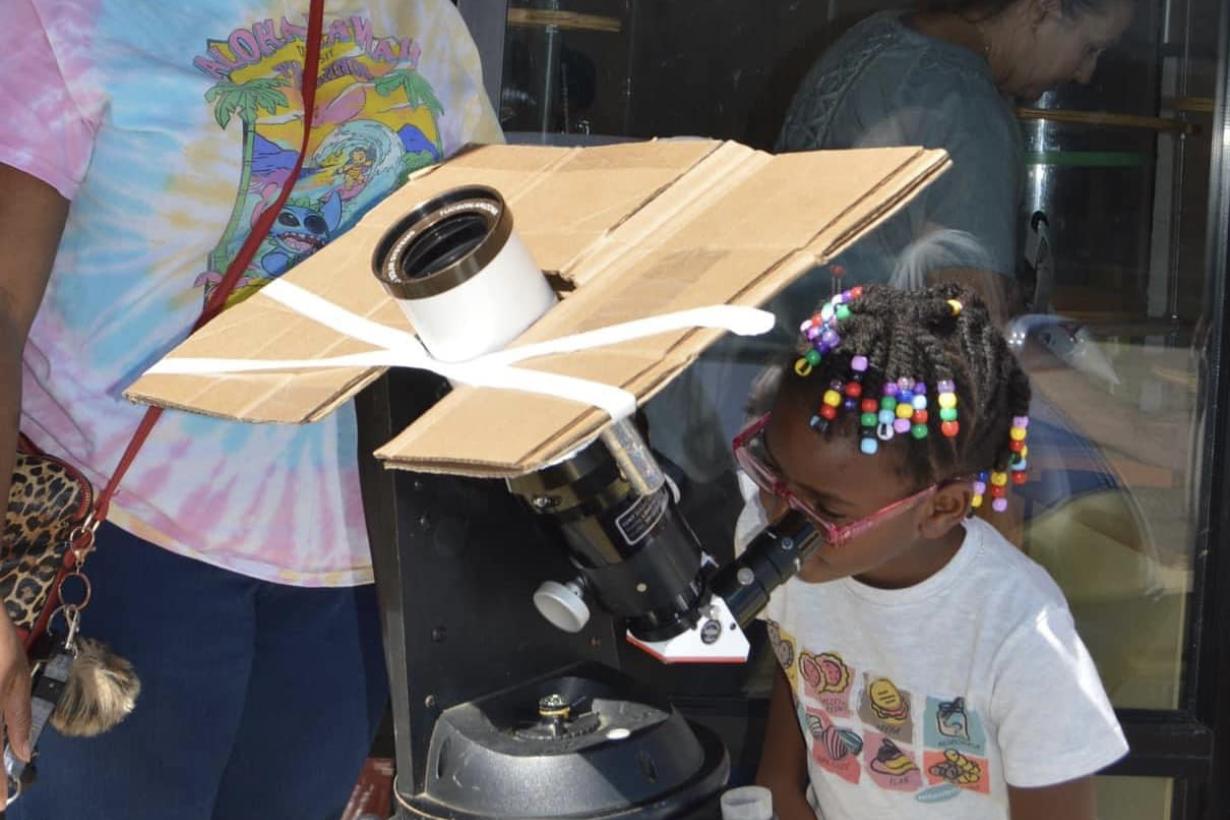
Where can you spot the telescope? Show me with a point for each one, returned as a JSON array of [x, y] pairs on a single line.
[[594, 543]]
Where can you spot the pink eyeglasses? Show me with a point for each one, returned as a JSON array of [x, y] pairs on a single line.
[[752, 457]]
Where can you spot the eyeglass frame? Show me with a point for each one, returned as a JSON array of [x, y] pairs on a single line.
[[834, 535]]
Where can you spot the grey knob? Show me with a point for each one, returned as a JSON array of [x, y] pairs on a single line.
[[563, 605]]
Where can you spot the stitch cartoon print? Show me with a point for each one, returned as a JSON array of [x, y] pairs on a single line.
[[376, 121]]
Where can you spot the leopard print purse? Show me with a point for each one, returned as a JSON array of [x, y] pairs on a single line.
[[48, 506], [48, 533]]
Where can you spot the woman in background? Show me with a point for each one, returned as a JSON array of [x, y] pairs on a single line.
[[945, 77]]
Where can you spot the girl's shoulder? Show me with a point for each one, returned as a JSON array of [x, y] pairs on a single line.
[[1006, 579]]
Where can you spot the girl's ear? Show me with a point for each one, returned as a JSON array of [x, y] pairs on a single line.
[[946, 509]]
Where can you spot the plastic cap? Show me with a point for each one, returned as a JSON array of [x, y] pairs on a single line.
[[747, 803], [562, 605]]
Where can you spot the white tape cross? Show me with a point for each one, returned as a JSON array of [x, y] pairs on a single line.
[[400, 348]]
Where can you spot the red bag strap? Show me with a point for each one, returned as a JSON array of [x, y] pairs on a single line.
[[217, 300]]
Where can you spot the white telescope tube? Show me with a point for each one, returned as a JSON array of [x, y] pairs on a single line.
[[462, 276]]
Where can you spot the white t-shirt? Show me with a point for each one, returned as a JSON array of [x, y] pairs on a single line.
[[926, 702]]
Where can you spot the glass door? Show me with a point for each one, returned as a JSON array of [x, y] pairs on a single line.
[[1128, 190]]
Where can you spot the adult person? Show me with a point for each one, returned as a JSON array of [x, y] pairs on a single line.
[[140, 142], [946, 77]]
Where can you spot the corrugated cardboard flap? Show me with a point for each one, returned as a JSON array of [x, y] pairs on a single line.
[[639, 229]]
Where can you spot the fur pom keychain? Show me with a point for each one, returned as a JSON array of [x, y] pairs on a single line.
[[101, 691], [83, 689]]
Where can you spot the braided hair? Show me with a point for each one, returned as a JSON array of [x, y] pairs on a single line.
[[932, 336]]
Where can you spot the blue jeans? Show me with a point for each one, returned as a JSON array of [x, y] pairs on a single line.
[[258, 700]]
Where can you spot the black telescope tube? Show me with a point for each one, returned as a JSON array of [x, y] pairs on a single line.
[[769, 561], [638, 556]]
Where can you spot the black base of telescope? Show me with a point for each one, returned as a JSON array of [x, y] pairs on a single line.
[[456, 563]]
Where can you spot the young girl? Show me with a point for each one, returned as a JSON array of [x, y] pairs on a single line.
[[928, 668]]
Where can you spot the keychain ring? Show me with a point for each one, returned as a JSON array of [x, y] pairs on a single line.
[[87, 587], [85, 529]]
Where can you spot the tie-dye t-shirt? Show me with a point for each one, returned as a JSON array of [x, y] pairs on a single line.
[[928, 701], [171, 127]]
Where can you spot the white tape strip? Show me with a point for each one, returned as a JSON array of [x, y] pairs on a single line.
[[399, 348], [321, 310], [616, 402], [743, 321]]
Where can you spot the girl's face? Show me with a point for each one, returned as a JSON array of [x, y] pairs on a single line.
[[844, 485]]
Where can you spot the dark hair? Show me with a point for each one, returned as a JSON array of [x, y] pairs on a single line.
[[986, 9], [914, 334]]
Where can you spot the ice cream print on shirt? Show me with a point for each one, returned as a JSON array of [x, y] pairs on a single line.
[[376, 120], [863, 726]]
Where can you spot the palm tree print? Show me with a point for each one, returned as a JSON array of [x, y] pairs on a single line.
[[418, 93], [245, 100]]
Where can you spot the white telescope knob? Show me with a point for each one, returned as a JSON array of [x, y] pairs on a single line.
[[563, 605]]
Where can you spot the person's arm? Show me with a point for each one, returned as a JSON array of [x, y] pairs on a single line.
[[1074, 800], [783, 759], [32, 215]]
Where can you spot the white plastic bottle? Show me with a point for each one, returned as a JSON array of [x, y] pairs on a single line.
[[748, 803]]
